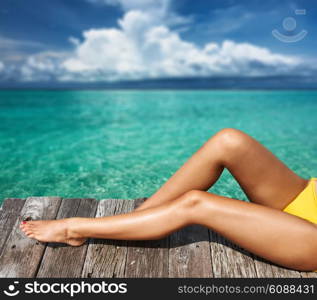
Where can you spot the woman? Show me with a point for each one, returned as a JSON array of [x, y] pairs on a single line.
[[276, 224]]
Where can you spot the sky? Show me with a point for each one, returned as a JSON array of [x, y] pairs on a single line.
[[82, 42]]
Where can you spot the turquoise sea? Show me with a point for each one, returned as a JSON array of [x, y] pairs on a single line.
[[125, 144]]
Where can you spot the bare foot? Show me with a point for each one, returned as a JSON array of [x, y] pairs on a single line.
[[51, 231]]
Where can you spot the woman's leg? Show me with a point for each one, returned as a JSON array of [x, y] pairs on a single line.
[[261, 175], [275, 235]]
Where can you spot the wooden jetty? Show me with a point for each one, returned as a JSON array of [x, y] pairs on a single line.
[[193, 251]]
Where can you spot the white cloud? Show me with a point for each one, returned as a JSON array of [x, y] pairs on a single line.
[[146, 45], [1, 66], [74, 41], [43, 66], [143, 47]]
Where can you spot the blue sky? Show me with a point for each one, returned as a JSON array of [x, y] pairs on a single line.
[[88, 41]]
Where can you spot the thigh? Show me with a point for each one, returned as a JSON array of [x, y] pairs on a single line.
[[263, 177], [262, 230]]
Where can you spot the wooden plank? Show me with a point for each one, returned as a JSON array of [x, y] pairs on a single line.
[[308, 274], [266, 268], [107, 258], [21, 255], [9, 212], [147, 258], [61, 260], [189, 253], [138, 202], [229, 260]]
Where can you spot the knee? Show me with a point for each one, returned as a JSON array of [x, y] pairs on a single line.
[[229, 142], [191, 203], [231, 138], [192, 198]]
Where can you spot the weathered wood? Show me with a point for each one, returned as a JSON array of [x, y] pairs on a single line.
[[21, 255], [61, 260], [308, 274], [267, 269], [189, 253], [229, 260], [9, 212], [107, 258], [147, 258], [138, 202]]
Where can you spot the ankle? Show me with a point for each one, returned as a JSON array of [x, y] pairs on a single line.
[[72, 228]]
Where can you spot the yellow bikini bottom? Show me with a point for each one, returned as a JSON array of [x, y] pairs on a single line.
[[305, 203]]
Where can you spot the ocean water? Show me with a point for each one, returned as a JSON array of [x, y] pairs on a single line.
[[126, 144]]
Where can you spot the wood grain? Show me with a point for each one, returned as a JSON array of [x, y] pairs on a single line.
[[9, 212], [61, 260], [189, 253], [22, 255], [229, 260], [107, 258], [147, 258], [193, 251]]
